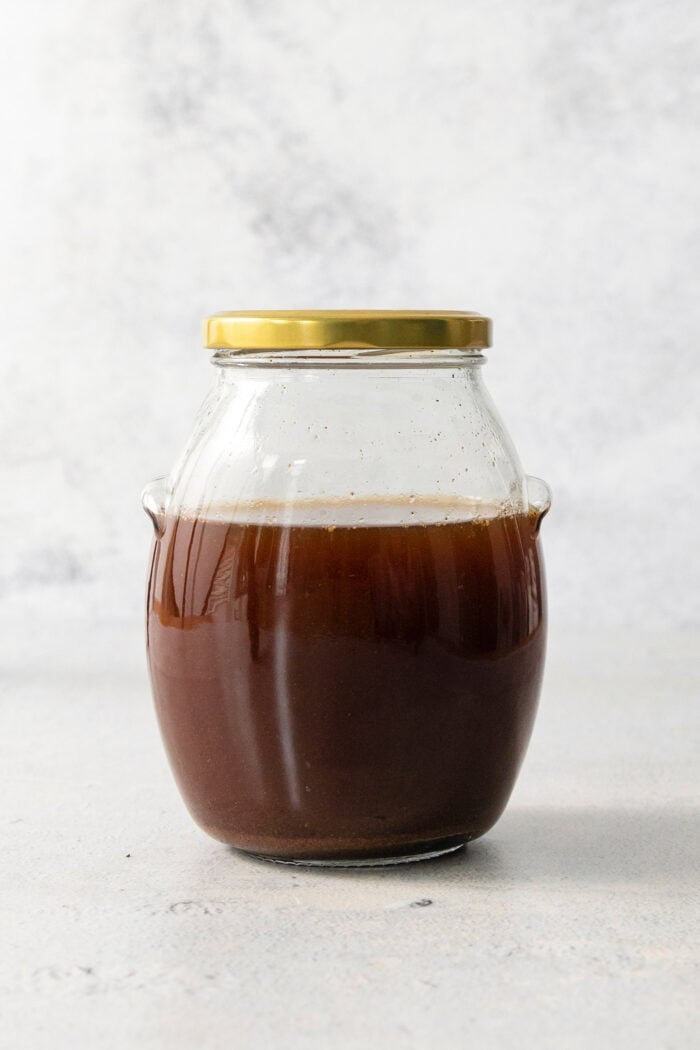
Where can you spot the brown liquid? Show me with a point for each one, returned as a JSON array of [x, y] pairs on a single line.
[[335, 692]]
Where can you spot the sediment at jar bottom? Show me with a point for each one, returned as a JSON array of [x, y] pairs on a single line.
[[339, 691]]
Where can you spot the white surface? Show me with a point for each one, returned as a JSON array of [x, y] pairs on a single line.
[[535, 161], [574, 923]]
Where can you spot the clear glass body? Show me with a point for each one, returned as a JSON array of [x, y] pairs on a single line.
[[346, 610]]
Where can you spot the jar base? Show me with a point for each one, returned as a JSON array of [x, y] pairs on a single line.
[[429, 853]]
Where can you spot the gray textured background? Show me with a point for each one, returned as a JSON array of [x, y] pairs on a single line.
[[535, 161]]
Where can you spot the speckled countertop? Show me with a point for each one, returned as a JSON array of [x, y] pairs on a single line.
[[573, 924]]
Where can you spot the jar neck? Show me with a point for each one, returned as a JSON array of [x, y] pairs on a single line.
[[348, 357]]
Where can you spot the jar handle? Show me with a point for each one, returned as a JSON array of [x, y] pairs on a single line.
[[539, 497], [154, 500]]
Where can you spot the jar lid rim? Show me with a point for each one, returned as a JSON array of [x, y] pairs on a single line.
[[326, 329]]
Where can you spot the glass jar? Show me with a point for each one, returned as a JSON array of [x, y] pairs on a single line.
[[346, 606]]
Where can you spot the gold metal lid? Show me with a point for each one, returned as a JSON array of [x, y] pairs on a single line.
[[324, 329]]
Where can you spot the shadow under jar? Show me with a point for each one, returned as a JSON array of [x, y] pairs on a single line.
[[346, 607]]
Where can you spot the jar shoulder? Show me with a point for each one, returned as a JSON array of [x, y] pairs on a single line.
[[337, 435]]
